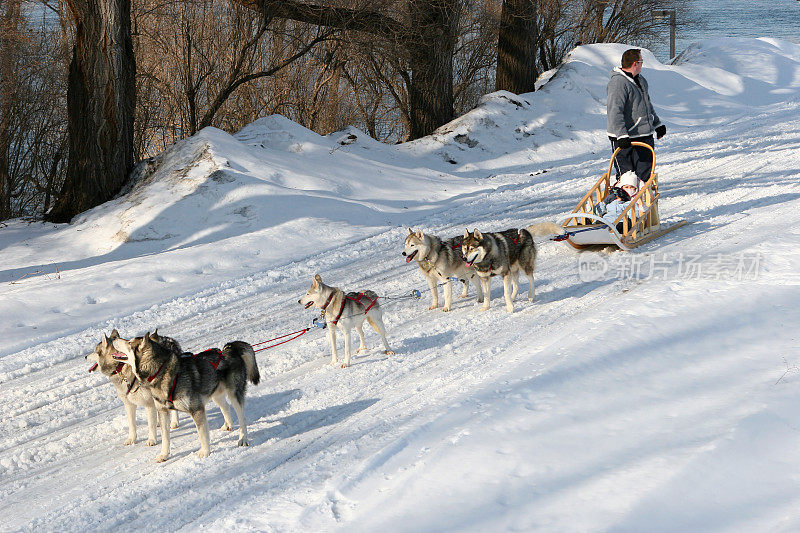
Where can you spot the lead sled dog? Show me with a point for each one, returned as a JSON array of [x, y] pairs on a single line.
[[187, 382], [439, 261], [128, 387], [345, 312], [505, 254]]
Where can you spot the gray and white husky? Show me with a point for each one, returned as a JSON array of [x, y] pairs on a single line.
[[187, 382], [345, 312], [128, 387], [440, 260], [505, 254]]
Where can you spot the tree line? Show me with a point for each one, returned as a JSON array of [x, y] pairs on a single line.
[[88, 88]]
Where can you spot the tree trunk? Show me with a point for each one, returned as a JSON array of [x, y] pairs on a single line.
[[431, 47], [516, 47], [9, 36], [101, 98]]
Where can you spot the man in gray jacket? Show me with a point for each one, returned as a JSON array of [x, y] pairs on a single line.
[[631, 116]]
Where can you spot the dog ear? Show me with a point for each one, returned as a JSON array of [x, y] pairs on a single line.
[[105, 342], [114, 334], [154, 335], [466, 232], [146, 339], [478, 234], [419, 234], [317, 280], [410, 231]]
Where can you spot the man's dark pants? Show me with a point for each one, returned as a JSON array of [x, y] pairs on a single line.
[[635, 158]]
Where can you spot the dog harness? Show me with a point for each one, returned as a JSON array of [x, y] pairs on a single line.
[[356, 299], [208, 353], [204, 353]]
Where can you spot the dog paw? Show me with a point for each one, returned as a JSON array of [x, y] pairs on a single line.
[[431, 308], [484, 309], [150, 442], [202, 454], [162, 457], [243, 442], [510, 309], [345, 365], [130, 440], [174, 425], [225, 427], [389, 352], [446, 309], [362, 349]]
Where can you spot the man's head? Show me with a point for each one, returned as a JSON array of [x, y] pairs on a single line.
[[632, 61]]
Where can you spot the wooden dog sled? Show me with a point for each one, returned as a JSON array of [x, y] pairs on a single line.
[[640, 220]]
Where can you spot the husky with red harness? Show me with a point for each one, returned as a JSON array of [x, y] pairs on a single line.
[[505, 254], [186, 382], [129, 388], [345, 312]]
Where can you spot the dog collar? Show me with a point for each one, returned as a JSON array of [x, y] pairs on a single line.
[[328, 301]]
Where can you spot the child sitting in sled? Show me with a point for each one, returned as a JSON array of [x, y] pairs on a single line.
[[618, 199]]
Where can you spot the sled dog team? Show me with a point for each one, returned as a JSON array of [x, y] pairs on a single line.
[[153, 372]]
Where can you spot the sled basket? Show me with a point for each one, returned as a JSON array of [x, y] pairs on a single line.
[[640, 220]]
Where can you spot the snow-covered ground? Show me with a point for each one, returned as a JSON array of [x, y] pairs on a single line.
[[658, 395]]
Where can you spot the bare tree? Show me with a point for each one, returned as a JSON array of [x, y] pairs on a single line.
[[101, 98]]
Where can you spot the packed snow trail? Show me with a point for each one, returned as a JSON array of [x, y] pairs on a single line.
[[661, 400]]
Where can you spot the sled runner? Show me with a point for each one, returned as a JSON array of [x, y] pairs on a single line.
[[640, 220]]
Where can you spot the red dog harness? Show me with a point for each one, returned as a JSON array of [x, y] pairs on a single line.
[[356, 299], [208, 352]]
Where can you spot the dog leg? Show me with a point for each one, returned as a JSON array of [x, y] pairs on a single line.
[[173, 420], [219, 399], [478, 288], [346, 361], [487, 292], [465, 288], [507, 292], [239, 408], [201, 422], [332, 338], [163, 417], [514, 284], [448, 295], [434, 292], [152, 422], [130, 411], [382, 331], [363, 346], [530, 286]]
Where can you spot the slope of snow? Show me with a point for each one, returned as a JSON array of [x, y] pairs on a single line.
[[658, 396]]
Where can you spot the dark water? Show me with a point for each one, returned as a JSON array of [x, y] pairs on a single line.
[[735, 18]]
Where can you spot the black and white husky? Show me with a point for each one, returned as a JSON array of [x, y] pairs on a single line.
[[187, 382], [439, 261], [128, 387], [505, 254], [345, 312]]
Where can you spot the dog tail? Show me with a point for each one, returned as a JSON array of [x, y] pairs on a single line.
[[545, 228], [245, 351]]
